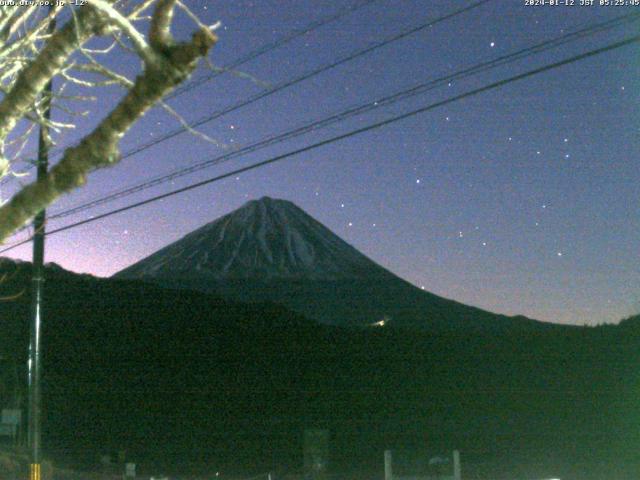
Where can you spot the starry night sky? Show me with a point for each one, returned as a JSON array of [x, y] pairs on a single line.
[[521, 200]]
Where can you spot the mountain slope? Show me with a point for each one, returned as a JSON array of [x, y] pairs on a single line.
[[272, 250], [266, 239]]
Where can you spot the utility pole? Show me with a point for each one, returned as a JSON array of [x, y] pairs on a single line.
[[457, 474], [388, 465], [37, 286]]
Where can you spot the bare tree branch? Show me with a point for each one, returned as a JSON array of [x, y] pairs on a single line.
[[100, 148], [140, 44], [32, 79]]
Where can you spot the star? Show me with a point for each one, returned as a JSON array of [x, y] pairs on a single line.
[[342, 205], [350, 224], [559, 254], [418, 181], [567, 156], [492, 44]]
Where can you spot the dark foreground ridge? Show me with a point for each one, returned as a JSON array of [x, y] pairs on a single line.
[[187, 382]]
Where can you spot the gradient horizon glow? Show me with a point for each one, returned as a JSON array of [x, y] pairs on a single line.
[[522, 200]]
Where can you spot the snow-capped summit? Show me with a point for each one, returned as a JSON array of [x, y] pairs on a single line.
[[265, 239], [271, 250]]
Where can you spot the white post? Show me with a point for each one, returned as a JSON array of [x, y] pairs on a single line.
[[388, 465], [457, 475]]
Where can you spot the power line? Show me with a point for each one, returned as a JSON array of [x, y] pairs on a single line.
[[289, 83], [492, 86], [247, 58], [296, 80], [259, 96], [303, 77], [269, 47], [357, 110]]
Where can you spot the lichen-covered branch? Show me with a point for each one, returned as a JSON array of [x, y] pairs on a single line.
[[137, 39], [160, 29], [32, 79], [100, 147]]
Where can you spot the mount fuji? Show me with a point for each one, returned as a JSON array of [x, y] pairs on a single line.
[[271, 250]]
